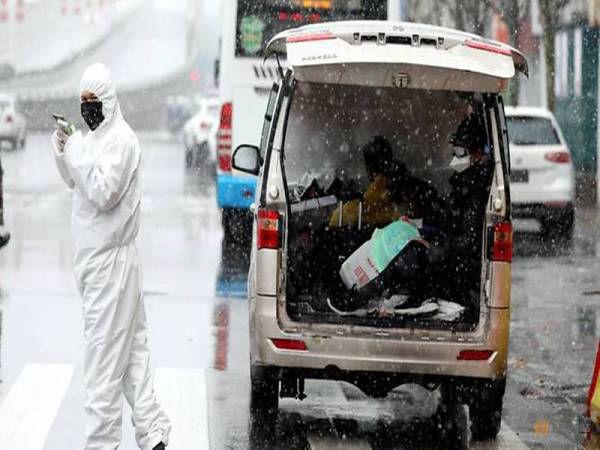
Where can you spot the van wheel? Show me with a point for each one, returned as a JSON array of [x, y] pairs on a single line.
[[451, 422], [264, 402], [485, 412], [264, 393]]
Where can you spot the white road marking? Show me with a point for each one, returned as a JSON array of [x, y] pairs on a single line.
[[507, 439], [30, 407], [183, 394]]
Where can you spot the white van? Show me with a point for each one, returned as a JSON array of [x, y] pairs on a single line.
[[375, 125]]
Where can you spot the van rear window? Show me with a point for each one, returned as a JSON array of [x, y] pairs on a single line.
[[260, 20]]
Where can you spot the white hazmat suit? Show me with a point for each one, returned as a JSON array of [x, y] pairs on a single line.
[[102, 168]]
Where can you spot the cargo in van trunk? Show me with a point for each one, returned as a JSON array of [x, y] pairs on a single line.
[[366, 165]]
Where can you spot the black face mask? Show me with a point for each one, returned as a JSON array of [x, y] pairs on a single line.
[[92, 114]]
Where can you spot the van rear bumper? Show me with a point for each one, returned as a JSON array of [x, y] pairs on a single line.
[[371, 354]]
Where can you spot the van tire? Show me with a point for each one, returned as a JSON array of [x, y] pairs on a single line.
[[264, 393], [485, 412]]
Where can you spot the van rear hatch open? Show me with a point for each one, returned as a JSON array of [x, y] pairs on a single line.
[[378, 115], [397, 55]]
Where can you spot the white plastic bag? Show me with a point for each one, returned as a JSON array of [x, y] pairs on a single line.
[[359, 269]]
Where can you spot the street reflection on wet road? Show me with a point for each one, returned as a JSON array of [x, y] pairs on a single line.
[[198, 325], [338, 415]]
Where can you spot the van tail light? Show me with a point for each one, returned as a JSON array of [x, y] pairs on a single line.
[[503, 242], [9, 118], [560, 157], [268, 229], [290, 344], [487, 47], [224, 138], [474, 355], [310, 37]]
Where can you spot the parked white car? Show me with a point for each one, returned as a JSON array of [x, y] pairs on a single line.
[[13, 126], [200, 134], [542, 174]]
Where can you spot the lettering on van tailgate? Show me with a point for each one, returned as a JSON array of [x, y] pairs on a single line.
[[319, 57]]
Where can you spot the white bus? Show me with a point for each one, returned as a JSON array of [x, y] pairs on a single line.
[[245, 84]]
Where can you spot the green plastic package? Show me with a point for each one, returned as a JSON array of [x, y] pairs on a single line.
[[388, 242]]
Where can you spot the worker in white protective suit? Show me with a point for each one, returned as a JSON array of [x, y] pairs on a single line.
[[103, 168]]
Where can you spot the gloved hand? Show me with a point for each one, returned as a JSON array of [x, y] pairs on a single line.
[[59, 139]]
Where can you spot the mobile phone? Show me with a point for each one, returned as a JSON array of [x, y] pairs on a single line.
[[64, 124]]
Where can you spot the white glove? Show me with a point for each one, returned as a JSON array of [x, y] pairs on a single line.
[[59, 139]]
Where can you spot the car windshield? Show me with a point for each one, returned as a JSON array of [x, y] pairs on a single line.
[[525, 130]]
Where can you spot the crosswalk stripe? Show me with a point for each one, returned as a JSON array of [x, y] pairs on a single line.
[[183, 394], [29, 409]]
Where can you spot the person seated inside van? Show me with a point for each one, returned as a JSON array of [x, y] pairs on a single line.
[[456, 250], [393, 192], [449, 267], [378, 206]]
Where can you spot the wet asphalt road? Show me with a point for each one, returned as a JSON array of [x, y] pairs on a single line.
[[199, 339]]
